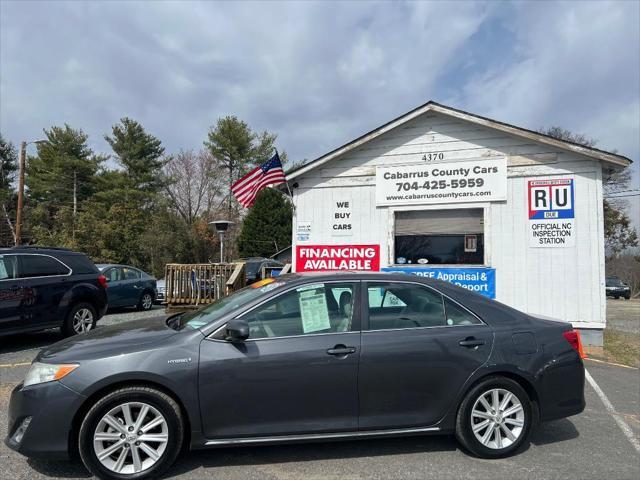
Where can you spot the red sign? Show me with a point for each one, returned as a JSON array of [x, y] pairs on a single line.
[[313, 258]]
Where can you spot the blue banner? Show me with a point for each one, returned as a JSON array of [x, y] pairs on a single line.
[[480, 280]]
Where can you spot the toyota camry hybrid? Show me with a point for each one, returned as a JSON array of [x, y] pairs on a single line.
[[300, 358]]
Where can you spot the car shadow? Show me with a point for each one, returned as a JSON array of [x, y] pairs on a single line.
[[554, 432], [59, 468], [547, 433], [20, 342]]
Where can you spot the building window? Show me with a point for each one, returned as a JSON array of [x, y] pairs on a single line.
[[440, 237]]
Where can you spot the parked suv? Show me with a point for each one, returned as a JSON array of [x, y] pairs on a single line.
[[44, 288], [616, 288]]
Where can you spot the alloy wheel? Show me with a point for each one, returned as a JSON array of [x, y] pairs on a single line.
[[147, 301], [83, 320], [497, 418], [130, 438]]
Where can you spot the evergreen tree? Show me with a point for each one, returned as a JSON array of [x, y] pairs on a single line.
[[8, 168], [236, 149], [59, 179], [63, 160], [267, 227], [139, 153]]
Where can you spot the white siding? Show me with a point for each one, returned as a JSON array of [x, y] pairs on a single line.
[[564, 283]]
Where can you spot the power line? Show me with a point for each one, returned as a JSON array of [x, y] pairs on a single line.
[[623, 196]]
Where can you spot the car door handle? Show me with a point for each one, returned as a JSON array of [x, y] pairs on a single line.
[[470, 342], [341, 350]]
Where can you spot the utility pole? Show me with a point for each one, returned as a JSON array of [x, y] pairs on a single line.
[[23, 153], [75, 193]]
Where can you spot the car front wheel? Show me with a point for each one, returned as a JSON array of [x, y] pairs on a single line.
[[495, 418], [131, 433]]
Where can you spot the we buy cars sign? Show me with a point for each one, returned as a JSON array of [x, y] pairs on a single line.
[[314, 258]]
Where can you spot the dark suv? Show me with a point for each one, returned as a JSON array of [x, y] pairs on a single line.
[[44, 288]]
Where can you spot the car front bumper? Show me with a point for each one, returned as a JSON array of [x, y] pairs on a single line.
[[51, 407]]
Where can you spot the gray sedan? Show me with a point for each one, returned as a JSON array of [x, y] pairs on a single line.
[[300, 358]]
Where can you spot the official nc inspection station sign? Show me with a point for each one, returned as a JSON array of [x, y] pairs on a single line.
[[551, 212], [451, 182], [478, 279]]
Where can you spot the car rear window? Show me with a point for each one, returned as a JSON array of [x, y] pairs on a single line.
[[79, 263], [40, 266]]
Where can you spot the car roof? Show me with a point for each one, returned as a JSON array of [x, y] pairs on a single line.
[[103, 266], [37, 249]]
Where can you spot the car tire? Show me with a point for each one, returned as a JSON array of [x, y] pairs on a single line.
[[482, 429], [146, 301], [133, 456], [81, 319]]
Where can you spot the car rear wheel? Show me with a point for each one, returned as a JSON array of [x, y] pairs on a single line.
[[81, 319], [495, 418], [146, 301], [131, 433]]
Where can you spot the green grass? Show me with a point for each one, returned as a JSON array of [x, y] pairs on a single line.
[[622, 347]]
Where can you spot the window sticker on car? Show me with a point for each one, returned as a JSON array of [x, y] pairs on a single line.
[[314, 311], [313, 286]]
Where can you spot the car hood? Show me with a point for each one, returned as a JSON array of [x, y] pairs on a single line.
[[109, 340]]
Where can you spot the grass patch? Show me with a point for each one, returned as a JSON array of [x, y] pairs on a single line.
[[621, 347]]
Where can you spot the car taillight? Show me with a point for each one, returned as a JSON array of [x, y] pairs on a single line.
[[573, 337], [102, 280]]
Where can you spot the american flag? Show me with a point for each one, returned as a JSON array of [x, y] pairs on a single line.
[[269, 173]]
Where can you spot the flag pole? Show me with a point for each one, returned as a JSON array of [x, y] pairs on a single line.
[[286, 182]]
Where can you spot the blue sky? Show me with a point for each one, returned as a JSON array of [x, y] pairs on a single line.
[[318, 73]]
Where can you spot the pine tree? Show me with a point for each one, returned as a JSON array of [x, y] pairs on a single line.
[[63, 161], [236, 148], [139, 153], [267, 226]]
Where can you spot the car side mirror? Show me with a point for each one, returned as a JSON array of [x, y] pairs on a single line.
[[237, 330]]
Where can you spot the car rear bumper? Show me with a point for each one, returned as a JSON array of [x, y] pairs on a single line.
[[51, 407], [562, 388]]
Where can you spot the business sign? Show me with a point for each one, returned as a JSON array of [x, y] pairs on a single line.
[[303, 231], [477, 279], [312, 258], [551, 213], [341, 218], [483, 180]]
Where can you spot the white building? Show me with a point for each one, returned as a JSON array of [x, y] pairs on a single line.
[[507, 212]]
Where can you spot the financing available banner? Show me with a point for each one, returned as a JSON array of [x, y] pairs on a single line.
[[313, 258], [482, 180]]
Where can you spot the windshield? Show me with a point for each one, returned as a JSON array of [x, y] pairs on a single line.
[[224, 305], [614, 282], [252, 267]]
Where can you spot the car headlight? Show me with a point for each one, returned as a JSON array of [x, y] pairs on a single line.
[[46, 372]]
